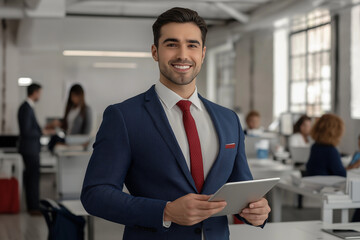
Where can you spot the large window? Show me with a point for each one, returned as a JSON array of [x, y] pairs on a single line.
[[355, 62], [310, 69]]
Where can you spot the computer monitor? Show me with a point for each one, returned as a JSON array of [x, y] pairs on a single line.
[[287, 121], [9, 143]]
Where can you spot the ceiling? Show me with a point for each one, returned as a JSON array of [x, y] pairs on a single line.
[[213, 11]]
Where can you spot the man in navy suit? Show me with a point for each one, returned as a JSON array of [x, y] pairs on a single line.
[[170, 147], [29, 147]]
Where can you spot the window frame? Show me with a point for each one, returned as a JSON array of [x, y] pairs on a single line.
[[308, 80]]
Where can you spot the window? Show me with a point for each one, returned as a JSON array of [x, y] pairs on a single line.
[[355, 62], [281, 74], [310, 69]]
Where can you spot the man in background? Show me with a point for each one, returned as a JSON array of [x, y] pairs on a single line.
[[29, 147]]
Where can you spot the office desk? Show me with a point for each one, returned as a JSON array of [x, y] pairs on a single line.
[[308, 230], [71, 172], [327, 206], [267, 168], [76, 208]]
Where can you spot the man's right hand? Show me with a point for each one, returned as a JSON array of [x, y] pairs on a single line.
[[191, 209]]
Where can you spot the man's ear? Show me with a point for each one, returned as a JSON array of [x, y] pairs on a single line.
[[154, 52], [203, 54]]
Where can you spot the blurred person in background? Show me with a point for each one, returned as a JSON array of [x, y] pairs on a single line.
[[77, 117], [29, 147], [355, 162], [324, 157], [301, 133], [253, 122]]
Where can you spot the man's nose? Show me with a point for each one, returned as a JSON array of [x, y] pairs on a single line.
[[182, 52]]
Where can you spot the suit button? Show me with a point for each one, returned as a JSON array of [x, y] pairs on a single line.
[[197, 230]]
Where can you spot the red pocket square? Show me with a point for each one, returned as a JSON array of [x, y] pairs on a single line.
[[230, 145]]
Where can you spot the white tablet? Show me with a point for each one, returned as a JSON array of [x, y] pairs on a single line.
[[239, 194]]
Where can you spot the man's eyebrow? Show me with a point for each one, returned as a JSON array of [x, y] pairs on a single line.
[[193, 41], [171, 40], [177, 40]]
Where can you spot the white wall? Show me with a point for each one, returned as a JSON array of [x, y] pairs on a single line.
[[255, 50], [352, 126], [12, 66], [37, 53]]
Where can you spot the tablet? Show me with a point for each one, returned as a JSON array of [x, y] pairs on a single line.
[[239, 194], [344, 233]]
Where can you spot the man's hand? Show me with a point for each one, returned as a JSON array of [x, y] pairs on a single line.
[[191, 209], [257, 212]]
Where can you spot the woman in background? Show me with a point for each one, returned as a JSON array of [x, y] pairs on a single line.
[[301, 133], [77, 117], [355, 162], [324, 157]]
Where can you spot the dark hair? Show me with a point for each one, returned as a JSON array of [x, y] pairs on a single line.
[[179, 15], [33, 88], [300, 122], [251, 114], [79, 91]]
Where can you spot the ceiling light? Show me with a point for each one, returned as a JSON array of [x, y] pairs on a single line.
[[114, 65], [24, 81], [80, 53]]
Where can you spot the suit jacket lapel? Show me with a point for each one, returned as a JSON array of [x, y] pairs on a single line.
[[157, 113]]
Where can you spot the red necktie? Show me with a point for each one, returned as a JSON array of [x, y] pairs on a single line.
[[196, 161]]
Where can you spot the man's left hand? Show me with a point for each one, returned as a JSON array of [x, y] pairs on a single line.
[[257, 212]]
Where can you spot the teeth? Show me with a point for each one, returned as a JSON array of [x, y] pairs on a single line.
[[182, 67]]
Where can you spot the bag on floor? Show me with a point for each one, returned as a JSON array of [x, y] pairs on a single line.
[[62, 224], [9, 195]]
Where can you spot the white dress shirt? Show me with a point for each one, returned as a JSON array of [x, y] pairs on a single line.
[[297, 140], [30, 102], [207, 134]]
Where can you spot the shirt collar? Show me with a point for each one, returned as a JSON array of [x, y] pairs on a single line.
[[30, 102], [170, 98]]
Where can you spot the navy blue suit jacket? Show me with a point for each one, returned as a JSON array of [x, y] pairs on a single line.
[[135, 145], [30, 131]]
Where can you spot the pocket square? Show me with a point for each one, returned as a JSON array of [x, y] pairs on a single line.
[[230, 145]]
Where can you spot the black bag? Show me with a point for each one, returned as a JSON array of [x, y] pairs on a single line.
[[62, 224]]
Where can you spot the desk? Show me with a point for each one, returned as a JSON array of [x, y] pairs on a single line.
[[76, 208], [309, 230], [327, 206], [277, 198], [267, 168], [71, 172]]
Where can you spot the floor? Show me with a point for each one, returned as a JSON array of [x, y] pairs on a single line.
[[24, 227]]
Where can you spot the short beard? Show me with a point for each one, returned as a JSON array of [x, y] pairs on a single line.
[[180, 83]]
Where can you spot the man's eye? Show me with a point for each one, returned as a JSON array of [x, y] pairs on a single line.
[[171, 45], [193, 46]]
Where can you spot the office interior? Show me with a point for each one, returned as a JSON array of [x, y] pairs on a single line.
[[282, 58]]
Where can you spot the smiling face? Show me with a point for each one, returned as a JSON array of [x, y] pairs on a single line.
[[180, 53]]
